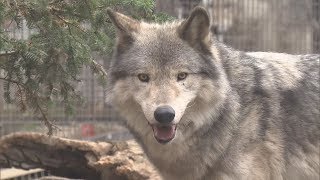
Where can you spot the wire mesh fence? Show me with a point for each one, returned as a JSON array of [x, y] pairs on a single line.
[[289, 26]]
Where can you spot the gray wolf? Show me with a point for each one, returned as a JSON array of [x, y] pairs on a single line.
[[203, 110]]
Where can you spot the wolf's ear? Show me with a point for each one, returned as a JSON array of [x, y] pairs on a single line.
[[125, 25], [196, 29]]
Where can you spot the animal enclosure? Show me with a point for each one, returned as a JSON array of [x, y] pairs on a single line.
[[249, 25]]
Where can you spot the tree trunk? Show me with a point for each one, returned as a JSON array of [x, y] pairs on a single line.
[[76, 159]]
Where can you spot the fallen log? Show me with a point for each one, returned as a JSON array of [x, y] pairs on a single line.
[[74, 158]]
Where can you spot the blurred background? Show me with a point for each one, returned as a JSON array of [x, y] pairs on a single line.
[[287, 26]]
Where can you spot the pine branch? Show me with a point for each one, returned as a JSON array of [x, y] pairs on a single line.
[[5, 55], [52, 56], [45, 119], [98, 68], [21, 96], [50, 126], [11, 81], [69, 23]]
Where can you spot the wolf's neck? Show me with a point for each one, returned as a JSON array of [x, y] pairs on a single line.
[[229, 58]]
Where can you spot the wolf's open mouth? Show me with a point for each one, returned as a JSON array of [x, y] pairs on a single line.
[[164, 133]]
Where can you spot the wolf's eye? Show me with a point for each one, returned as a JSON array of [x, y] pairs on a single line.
[[182, 76], [143, 77]]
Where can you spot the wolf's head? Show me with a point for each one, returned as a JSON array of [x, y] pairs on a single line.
[[165, 79]]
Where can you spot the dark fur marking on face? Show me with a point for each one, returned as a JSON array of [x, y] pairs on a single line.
[[116, 75], [210, 70], [123, 45]]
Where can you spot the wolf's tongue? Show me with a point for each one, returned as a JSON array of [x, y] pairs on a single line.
[[164, 133]]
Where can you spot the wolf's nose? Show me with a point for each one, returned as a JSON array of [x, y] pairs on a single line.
[[164, 114]]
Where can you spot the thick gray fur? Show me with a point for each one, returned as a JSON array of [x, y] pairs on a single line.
[[240, 115]]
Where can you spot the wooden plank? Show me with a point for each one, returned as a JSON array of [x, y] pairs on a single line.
[[13, 172]]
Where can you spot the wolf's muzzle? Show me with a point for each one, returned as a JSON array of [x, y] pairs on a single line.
[[164, 114]]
